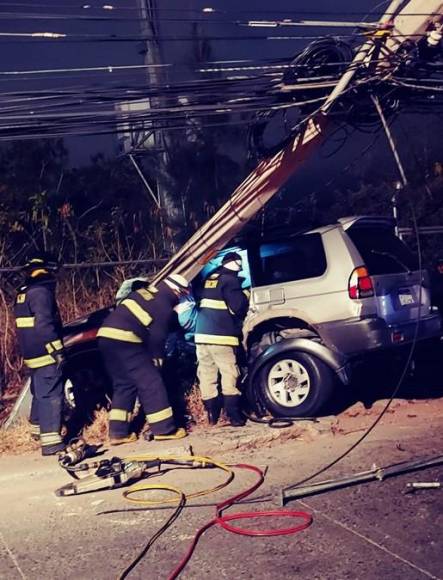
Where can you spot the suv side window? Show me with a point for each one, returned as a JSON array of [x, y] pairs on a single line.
[[286, 261], [382, 251]]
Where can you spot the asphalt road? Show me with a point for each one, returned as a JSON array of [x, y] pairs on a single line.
[[367, 532]]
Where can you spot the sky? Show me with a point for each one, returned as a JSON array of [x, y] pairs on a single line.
[[25, 56]]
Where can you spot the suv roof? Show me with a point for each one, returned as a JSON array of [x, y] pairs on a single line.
[[351, 221]]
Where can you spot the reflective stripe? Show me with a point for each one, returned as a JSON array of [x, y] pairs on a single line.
[[50, 438], [40, 361], [217, 339], [35, 429], [25, 322], [36, 261], [159, 415], [137, 311], [54, 345], [158, 362], [38, 272], [216, 304], [119, 415], [146, 294], [116, 334]]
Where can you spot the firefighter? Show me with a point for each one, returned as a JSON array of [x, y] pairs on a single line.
[[222, 308], [132, 341], [39, 331]]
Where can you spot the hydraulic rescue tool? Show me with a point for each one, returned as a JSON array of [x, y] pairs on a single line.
[[76, 451], [117, 472]]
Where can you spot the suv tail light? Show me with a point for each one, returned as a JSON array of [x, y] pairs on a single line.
[[360, 284]]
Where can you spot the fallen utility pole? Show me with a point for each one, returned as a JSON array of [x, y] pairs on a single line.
[[272, 173], [375, 474]]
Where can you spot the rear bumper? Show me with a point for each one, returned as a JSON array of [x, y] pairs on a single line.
[[356, 336]]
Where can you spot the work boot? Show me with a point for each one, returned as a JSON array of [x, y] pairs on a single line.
[[179, 433], [53, 449], [131, 438], [233, 410], [213, 409]]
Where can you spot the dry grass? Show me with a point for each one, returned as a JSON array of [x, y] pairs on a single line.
[[17, 441], [97, 432], [195, 406]]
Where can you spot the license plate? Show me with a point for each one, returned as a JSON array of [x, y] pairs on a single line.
[[405, 298]]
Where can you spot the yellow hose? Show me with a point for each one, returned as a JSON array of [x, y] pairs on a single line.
[[142, 486]]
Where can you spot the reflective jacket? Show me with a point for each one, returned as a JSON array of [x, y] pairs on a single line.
[[222, 308], [143, 316], [39, 327]]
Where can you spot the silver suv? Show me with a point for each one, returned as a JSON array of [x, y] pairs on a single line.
[[319, 301], [323, 298]]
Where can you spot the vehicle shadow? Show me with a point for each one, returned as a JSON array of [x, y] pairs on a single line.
[[380, 376]]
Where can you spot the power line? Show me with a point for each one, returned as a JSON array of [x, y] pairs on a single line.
[[60, 38], [110, 7]]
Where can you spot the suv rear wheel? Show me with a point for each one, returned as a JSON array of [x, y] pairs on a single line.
[[295, 384]]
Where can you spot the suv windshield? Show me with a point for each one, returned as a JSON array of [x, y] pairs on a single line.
[[382, 251], [286, 261]]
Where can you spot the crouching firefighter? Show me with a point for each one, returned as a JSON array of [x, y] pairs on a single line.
[[39, 331], [132, 342], [222, 308]]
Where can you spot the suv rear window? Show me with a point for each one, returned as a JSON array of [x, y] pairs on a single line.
[[286, 261], [382, 251]]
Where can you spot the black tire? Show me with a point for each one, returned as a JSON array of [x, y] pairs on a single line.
[[91, 386], [321, 383]]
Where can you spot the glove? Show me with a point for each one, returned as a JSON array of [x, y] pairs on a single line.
[[60, 359]]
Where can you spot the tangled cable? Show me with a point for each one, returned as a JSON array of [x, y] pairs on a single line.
[[220, 518]]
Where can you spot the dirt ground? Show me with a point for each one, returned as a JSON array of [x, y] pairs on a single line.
[[368, 531]]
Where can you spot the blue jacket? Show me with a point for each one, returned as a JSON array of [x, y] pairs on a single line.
[[222, 308], [143, 316], [39, 327]]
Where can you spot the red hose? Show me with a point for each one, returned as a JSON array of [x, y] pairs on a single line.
[[223, 521]]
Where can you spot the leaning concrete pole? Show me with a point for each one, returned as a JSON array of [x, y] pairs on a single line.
[[271, 174]]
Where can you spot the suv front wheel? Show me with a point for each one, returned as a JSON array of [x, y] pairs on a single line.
[[295, 384]]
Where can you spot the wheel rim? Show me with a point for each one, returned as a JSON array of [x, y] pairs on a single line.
[[69, 394], [288, 383]]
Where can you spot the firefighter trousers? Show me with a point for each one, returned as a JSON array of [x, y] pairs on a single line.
[[133, 373], [47, 407], [212, 360]]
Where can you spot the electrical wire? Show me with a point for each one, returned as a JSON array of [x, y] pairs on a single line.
[[224, 520], [168, 523], [131, 67], [61, 38], [203, 67], [220, 518], [51, 37], [210, 10], [171, 13], [143, 486], [398, 384]]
